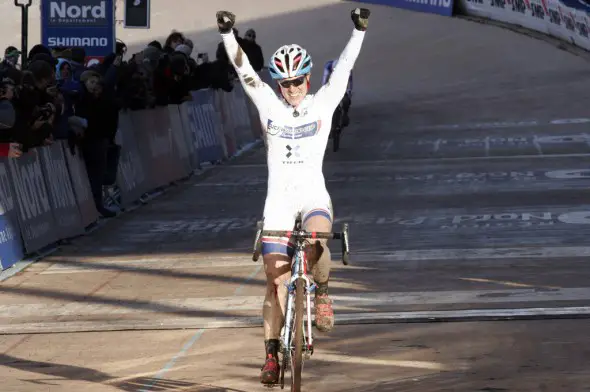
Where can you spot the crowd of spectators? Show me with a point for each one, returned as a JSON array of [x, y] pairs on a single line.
[[56, 96]]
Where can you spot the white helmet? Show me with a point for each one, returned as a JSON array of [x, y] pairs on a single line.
[[289, 61]]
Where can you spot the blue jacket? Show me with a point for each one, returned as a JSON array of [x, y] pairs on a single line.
[[69, 88]]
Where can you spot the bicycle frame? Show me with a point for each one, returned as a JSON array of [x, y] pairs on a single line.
[[298, 271]]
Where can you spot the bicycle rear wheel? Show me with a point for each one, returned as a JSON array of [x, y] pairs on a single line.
[[336, 140], [337, 128], [297, 357]]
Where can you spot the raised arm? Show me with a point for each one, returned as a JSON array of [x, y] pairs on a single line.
[[333, 91], [260, 92]]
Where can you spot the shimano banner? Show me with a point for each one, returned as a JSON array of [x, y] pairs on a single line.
[[441, 7], [89, 24]]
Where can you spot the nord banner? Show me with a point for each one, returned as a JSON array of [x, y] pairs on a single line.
[[89, 24]]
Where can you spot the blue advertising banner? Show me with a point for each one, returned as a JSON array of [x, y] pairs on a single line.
[[440, 7], [89, 24], [204, 121], [577, 4], [11, 246]]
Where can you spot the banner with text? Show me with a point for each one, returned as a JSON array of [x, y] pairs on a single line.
[[81, 184], [89, 24], [36, 220], [61, 192], [204, 123], [567, 20], [440, 7]]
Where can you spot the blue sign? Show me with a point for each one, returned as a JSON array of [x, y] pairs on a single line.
[[201, 115], [441, 7], [89, 24], [576, 4], [11, 246]]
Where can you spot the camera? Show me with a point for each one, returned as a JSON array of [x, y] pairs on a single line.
[[43, 113]]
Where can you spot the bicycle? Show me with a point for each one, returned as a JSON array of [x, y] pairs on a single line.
[[296, 336], [339, 121], [337, 125]]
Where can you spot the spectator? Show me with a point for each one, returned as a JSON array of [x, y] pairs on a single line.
[[11, 57], [120, 48], [35, 50], [49, 59], [187, 50], [173, 40], [178, 79], [157, 45], [8, 148], [35, 109], [77, 62], [95, 104], [253, 50], [62, 53], [68, 90], [189, 43]]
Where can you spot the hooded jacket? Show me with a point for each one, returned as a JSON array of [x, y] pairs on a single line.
[[70, 89]]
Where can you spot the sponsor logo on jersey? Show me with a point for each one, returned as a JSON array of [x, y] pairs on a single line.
[[299, 132]]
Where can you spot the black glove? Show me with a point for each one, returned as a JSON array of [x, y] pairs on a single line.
[[360, 17], [225, 21]]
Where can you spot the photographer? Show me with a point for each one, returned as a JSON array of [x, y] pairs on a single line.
[[35, 108]]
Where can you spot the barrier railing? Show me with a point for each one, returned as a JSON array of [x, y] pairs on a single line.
[[45, 195]]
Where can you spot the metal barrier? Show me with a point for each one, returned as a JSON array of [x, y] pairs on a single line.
[[45, 194]]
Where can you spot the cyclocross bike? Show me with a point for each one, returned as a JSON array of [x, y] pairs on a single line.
[[296, 335]]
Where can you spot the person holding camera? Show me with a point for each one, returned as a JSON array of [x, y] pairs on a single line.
[[36, 110]]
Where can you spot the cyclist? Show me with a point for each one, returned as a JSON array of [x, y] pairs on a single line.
[[296, 129], [347, 99]]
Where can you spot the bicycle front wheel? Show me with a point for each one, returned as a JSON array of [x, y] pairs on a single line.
[[298, 342]]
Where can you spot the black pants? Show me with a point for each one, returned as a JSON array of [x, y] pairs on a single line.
[[95, 152]]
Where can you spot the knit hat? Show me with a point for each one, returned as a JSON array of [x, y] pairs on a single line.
[[182, 48]]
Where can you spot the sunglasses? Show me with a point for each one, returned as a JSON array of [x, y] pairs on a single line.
[[294, 82]]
